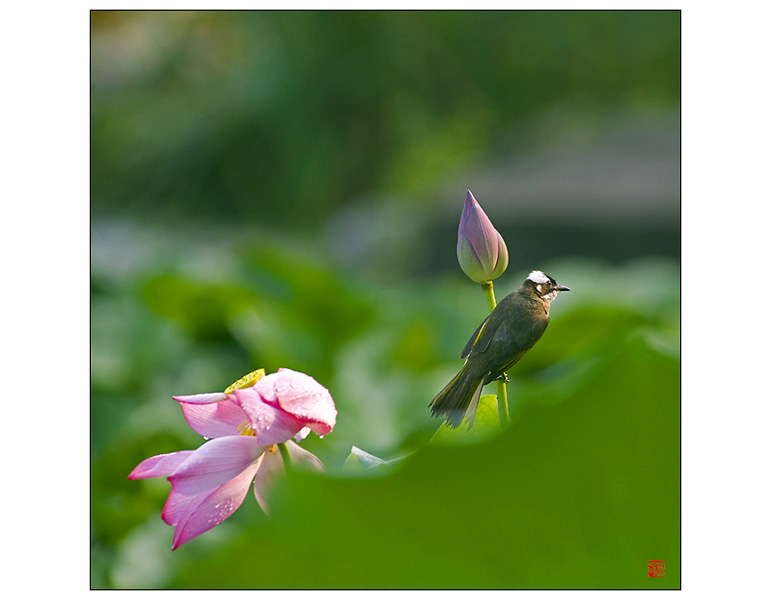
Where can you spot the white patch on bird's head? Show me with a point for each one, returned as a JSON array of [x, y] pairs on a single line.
[[545, 287], [538, 277], [544, 284]]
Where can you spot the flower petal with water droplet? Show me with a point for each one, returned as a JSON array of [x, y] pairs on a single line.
[[215, 463], [214, 420], [301, 395], [209, 510], [270, 424]]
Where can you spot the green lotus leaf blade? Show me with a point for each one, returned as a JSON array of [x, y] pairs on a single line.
[[486, 425]]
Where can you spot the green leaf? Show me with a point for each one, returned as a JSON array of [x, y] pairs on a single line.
[[576, 495], [486, 425], [359, 459]]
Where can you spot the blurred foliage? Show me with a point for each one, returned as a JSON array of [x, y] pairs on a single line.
[[282, 117], [581, 491]]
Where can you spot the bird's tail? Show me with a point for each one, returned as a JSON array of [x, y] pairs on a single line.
[[458, 400]]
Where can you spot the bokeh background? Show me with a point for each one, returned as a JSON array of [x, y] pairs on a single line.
[[283, 189]]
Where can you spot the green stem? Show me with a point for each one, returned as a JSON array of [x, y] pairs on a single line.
[[501, 402], [285, 455], [490, 297], [501, 386]]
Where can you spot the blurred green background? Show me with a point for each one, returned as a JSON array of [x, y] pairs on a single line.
[[283, 189]]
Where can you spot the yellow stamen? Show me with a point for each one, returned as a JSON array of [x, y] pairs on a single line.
[[245, 428], [248, 380]]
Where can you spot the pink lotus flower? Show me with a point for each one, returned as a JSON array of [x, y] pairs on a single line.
[[210, 483]]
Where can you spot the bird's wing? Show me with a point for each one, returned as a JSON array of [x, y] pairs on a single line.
[[480, 339]]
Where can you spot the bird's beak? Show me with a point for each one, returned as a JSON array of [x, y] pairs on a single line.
[[562, 288]]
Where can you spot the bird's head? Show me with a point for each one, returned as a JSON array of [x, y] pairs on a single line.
[[543, 286]]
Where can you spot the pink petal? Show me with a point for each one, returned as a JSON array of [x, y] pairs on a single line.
[[215, 463], [271, 424], [302, 434], [302, 457], [482, 236], [202, 398], [469, 203], [215, 420], [212, 509], [160, 465], [179, 506], [270, 467], [302, 396]]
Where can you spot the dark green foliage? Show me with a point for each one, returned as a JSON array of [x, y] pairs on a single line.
[[283, 117]]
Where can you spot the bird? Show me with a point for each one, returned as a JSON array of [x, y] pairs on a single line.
[[502, 339]]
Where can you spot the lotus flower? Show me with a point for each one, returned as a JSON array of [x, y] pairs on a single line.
[[482, 253], [245, 425]]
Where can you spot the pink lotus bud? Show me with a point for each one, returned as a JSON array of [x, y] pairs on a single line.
[[482, 253]]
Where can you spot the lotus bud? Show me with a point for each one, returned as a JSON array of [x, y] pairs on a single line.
[[482, 253]]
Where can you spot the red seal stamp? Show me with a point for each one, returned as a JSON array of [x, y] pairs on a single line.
[[656, 568]]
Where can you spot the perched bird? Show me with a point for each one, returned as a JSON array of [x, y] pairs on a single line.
[[511, 330]]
